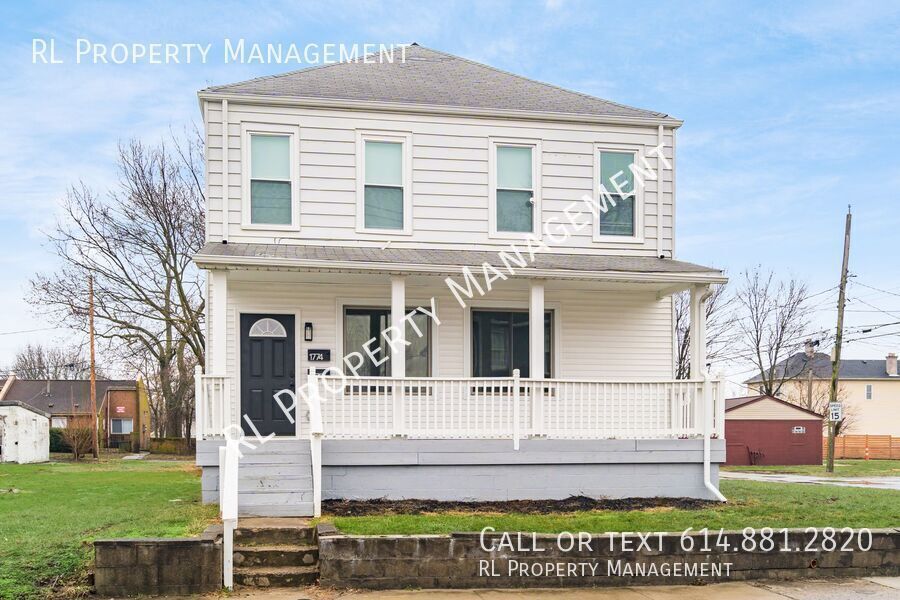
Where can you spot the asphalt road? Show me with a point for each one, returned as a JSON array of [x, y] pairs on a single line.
[[881, 483]]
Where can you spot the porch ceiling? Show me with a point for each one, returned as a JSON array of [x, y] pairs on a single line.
[[543, 265]]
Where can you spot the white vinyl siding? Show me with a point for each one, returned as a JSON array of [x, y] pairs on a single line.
[[598, 334], [448, 163]]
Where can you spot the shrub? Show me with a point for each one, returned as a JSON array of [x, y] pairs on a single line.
[[78, 439], [57, 443]]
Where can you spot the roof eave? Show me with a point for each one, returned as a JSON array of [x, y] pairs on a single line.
[[208, 261], [401, 107]]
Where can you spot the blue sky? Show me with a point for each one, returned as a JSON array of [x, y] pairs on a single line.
[[790, 110]]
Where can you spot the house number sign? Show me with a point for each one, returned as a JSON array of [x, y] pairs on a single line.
[[318, 355]]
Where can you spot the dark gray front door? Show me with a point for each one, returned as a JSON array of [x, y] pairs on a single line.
[[267, 367]]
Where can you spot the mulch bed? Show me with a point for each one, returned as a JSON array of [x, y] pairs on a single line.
[[359, 508]]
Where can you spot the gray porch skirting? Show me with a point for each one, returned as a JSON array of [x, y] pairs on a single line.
[[276, 478]]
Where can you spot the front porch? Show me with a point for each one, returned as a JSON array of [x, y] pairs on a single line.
[[446, 404]]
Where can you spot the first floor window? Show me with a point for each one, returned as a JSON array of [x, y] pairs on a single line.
[[59, 422], [121, 426], [271, 201], [364, 324], [515, 188], [868, 391], [383, 191], [500, 341], [616, 188]]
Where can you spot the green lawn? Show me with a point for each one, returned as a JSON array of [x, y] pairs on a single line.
[[751, 504], [46, 525], [842, 468]]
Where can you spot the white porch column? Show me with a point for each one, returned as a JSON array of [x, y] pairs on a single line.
[[398, 311], [699, 294], [215, 357], [398, 350], [536, 352]]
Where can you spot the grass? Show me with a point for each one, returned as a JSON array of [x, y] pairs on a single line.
[[751, 504], [842, 468], [46, 526]]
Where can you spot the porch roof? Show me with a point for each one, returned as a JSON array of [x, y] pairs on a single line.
[[450, 262]]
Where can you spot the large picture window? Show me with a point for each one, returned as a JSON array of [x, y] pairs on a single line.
[[121, 426], [500, 341], [364, 324]]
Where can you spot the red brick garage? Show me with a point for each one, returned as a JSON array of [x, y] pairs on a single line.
[[763, 430]]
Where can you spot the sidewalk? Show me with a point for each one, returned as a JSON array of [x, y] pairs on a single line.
[[881, 483], [874, 588]]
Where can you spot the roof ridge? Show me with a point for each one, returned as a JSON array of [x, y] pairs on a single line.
[[543, 83], [306, 69]]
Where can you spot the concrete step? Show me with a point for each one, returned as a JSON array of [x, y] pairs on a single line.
[[276, 556], [265, 577], [261, 532], [301, 509]]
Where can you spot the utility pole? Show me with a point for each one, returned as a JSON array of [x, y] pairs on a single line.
[[95, 442], [836, 366]]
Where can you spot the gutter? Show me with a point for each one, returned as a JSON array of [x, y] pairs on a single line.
[[212, 261], [406, 108]]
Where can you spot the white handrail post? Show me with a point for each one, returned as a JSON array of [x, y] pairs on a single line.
[[198, 403], [515, 411], [228, 464], [316, 430]]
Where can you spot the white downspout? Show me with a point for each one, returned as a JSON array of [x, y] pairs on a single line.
[[707, 399]]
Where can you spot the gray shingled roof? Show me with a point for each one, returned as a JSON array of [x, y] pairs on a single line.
[[449, 258], [798, 365], [63, 395], [433, 78]]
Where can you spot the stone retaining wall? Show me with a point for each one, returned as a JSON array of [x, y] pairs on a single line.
[[459, 560], [158, 566]]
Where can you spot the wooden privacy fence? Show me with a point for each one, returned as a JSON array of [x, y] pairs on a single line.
[[854, 446]]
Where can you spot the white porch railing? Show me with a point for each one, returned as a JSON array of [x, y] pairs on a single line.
[[512, 408], [212, 404]]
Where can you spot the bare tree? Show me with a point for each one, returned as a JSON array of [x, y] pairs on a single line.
[[137, 242], [78, 439], [36, 361], [773, 321], [719, 327], [815, 396]]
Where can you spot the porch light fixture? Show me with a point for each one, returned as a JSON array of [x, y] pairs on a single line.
[[307, 332]]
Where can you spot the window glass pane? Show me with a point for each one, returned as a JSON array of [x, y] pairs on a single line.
[[270, 202], [363, 324], [270, 157], [618, 219], [514, 211], [384, 163], [384, 207], [417, 351], [611, 163], [514, 167], [127, 426], [500, 343]]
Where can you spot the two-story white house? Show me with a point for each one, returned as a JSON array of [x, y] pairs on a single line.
[[421, 247]]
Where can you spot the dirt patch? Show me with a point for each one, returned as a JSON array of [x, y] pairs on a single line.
[[358, 508]]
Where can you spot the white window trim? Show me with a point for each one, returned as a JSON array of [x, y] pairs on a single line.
[[293, 132], [536, 173], [638, 237], [405, 140]]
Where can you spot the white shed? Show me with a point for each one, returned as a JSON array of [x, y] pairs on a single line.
[[24, 433]]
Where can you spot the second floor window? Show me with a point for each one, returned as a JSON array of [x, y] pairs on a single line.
[[617, 185], [384, 199], [868, 391], [515, 194], [270, 180]]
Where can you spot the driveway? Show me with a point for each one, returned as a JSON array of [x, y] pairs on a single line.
[[881, 483], [873, 588]]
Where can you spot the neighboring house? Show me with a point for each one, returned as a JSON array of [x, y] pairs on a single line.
[[24, 433], [340, 201], [121, 406], [869, 389], [763, 430]]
